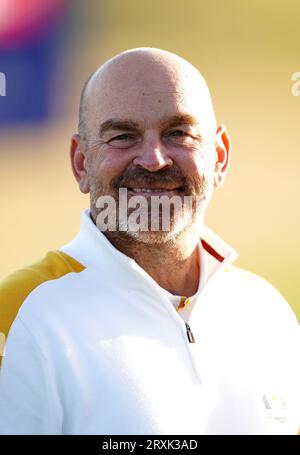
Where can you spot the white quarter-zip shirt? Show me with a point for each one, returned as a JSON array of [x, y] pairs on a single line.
[[96, 346]]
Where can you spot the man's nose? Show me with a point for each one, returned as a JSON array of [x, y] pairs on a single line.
[[153, 156]]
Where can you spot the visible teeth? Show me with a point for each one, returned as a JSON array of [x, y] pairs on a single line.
[[147, 190]]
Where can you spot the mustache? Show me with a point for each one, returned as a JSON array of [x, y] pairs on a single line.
[[139, 178]]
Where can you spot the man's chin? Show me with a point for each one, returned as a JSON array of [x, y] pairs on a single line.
[[152, 238]]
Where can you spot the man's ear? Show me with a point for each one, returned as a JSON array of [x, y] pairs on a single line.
[[222, 155], [78, 162]]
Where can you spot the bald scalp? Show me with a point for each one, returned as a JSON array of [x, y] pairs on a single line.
[[143, 62]]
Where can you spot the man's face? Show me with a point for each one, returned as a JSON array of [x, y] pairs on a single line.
[[149, 134]]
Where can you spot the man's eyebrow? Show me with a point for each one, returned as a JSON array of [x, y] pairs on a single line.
[[117, 124], [177, 120]]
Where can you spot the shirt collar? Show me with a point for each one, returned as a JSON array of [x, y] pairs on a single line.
[[91, 248], [214, 255]]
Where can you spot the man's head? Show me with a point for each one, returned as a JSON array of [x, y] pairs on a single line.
[[147, 124]]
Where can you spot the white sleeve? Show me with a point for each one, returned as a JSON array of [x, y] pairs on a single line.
[[28, 398]]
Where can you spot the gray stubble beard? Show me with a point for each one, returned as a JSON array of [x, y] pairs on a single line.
[[186, 226]]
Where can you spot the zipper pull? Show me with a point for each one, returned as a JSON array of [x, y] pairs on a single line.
[[189, 333]]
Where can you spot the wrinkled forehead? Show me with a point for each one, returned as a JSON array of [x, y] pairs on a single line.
[[146, 98], [142, 106]]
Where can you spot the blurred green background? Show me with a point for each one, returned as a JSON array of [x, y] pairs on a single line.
[[247, 51]]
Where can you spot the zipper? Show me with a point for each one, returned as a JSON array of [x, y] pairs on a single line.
[[189, 333]]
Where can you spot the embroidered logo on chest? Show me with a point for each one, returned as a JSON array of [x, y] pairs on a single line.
[[276, 407]]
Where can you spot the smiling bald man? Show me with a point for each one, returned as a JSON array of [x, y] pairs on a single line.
[[141, 324]]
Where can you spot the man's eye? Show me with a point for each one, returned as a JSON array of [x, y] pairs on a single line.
[[177, 133], [121, 137]]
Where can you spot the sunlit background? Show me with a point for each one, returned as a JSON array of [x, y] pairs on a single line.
[[246, 50]]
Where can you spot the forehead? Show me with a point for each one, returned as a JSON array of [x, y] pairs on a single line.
[[144, 106], [146, 91]]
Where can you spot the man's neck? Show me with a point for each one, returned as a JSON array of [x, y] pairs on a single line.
[[174, 266]]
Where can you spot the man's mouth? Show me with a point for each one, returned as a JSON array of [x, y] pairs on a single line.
[[140, 191]]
